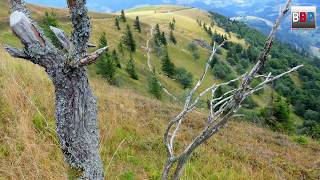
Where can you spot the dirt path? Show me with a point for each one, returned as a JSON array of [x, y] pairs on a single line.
[[148, 48]]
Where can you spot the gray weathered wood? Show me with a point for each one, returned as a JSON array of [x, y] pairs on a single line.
[[24, 29], [62, 37], [221, 109], [76, 107], [17, 53]]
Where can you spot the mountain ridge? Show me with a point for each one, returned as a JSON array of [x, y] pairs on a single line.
[[131, 122]]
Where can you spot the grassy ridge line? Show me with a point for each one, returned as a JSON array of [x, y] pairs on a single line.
[[242, 151]]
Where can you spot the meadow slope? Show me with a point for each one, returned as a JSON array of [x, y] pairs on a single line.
[[131, 121]]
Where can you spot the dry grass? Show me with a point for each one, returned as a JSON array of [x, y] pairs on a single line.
[[131, 124], [28, 149]]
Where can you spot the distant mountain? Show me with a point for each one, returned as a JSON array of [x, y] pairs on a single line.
[[256, 13]]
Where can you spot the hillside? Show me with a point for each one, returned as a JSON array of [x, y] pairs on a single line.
[[131, 121]]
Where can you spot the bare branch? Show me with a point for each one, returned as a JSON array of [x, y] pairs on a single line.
[[214, 50], [221, 108], [267, 47], [18, 5], [81, 27], [90, 45], [16, 53], [91, 58], [270, 79], [62, 37]]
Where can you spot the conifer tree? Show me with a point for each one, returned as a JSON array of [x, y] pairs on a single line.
[[50, 19], [103, 42], [174, 20], [205, 26], [154, 86], [210, 31], [171, 26], [157, 35], [120, 47], [173, 38], [115, 58], [123, 16], [131, 69], [167, 66], [137, 24], [163, 39], [107, 68], [128, 40], [117, 24]]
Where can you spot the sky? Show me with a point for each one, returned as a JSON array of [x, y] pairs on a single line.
[[116, 5]]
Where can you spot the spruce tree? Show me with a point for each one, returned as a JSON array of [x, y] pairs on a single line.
[[173, 38], [50, 19], [128, 40], [120, 47], [205, 26], [163, 39], [137, 24], [106, 67], [115, 58], [131, 69], [157, 36], [167, 66], [154, 86], [123, 16], [117, 24], [103, 42], [171, 26], [210, 31]]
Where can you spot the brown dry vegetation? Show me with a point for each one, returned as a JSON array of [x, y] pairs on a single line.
[[131, 125], [28, 148]]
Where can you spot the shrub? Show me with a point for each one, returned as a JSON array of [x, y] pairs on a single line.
[[193, 48], [277, 115], [303, 140], [223, 71], [184, 77], [311, 128]]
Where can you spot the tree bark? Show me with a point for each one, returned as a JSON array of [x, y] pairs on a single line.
[[76, 107], [76, 119]]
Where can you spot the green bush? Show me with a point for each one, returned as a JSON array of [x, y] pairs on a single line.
[[184, 77], [127, 176], [311, 128], [222, 71], [303, 140], [277, 115], [193, 48]]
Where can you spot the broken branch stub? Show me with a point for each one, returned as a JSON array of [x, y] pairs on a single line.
[[62, 37], [93, 57], [24, 29]]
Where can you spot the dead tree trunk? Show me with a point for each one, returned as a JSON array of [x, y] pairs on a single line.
[[76, 108], [221, 109]]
